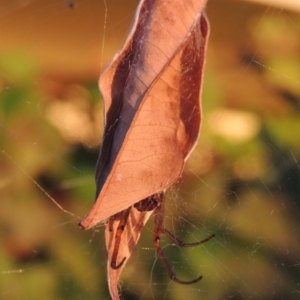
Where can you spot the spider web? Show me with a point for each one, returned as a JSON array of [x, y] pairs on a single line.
[[242, 182]]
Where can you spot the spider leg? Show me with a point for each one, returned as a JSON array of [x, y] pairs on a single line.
[[111, 223], [181, 243], [123, 220], [163, 257], [168, 233], [158, 230]]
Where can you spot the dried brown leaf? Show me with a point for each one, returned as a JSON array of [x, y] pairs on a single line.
[[151, 92], [130, 236], [152, 105]]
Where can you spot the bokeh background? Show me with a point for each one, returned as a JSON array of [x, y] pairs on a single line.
[[242, 182]]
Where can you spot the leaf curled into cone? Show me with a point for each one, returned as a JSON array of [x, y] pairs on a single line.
[[151, 92]]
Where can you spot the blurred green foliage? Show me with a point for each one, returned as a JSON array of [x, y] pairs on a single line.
[[244, 186]]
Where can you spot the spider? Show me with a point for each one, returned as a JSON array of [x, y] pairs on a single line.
[[156, 203]]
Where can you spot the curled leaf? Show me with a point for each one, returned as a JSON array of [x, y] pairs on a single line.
[[130, 236], [151, 92]]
